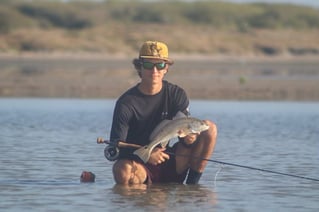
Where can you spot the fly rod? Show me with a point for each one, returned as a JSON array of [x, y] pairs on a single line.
[[112, 153]]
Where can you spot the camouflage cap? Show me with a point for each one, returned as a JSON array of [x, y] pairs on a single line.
[[87, 177], [155, 50]]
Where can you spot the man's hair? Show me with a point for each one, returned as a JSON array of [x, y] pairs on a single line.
[[137, 64]]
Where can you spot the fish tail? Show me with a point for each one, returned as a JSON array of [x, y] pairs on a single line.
[[143, 153]]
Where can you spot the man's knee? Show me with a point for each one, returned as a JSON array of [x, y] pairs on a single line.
[[128, 172], [122, 171], [212, 131]]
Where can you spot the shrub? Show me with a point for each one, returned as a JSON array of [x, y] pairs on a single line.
[[56, 15], [10, 19]]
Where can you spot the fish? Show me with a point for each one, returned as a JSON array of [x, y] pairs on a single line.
[[169, 129]]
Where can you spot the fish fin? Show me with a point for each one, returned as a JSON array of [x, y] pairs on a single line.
[[164, 144], [194, 132], [143, 153], [179, 115], [158, 128]]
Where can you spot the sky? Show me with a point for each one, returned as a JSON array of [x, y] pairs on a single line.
[[312, 3]]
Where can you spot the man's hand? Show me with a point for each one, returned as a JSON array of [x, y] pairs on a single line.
[[158, 156], [190, 138]]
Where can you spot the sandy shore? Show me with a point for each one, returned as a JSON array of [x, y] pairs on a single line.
[[203, 77]]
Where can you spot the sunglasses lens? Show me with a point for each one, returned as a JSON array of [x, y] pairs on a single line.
[[149, 65], [160, 66]]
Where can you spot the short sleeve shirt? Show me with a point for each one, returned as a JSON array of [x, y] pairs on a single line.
[[136, 114]]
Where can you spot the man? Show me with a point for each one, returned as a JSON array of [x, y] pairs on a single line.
[[140, 109]]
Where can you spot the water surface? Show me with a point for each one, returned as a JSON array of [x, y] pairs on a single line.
[[47, 143]]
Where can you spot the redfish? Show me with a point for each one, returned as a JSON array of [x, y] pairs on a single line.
[[169, 129]]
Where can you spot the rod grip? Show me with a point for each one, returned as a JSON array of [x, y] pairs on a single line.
[[120, 144]]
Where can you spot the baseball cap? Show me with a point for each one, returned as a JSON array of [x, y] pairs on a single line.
[[155, 50]]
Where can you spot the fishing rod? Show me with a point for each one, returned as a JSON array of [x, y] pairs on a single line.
[[247, 167], [112, 152]]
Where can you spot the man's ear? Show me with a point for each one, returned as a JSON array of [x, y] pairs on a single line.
[[166, 69]]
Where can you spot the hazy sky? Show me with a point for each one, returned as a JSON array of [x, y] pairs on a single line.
[[314, 3]]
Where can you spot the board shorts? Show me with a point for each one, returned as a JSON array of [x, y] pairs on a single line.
[[165, 172]]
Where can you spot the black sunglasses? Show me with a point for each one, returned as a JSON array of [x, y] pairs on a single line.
[[150, 65]]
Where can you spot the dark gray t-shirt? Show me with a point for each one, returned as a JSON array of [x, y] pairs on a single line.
[[136, 114]]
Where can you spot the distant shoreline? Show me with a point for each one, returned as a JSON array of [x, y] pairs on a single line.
[[174, 56], [202, 76]]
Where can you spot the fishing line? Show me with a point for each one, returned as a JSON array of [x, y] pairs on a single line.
[[219, 170], [247, 167]]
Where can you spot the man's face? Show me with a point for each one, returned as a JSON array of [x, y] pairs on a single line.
[[153, 70]]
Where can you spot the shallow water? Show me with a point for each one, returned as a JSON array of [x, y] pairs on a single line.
[[47, 143]]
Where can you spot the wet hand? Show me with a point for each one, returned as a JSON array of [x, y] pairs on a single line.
[[158, 156], [190, 138]]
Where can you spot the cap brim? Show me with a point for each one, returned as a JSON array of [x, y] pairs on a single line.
[[168, 60]]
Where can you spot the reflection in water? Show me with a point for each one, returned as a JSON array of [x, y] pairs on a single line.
[[163, 196]]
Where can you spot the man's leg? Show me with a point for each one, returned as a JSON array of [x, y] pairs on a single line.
[[203, 148], [129, 172]]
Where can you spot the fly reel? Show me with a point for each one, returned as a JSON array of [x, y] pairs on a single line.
[[111, 152]]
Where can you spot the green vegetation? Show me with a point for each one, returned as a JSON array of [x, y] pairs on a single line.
[[115, 26], [79, 15]]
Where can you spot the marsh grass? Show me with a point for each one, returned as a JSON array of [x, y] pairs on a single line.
[[118, 27]]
